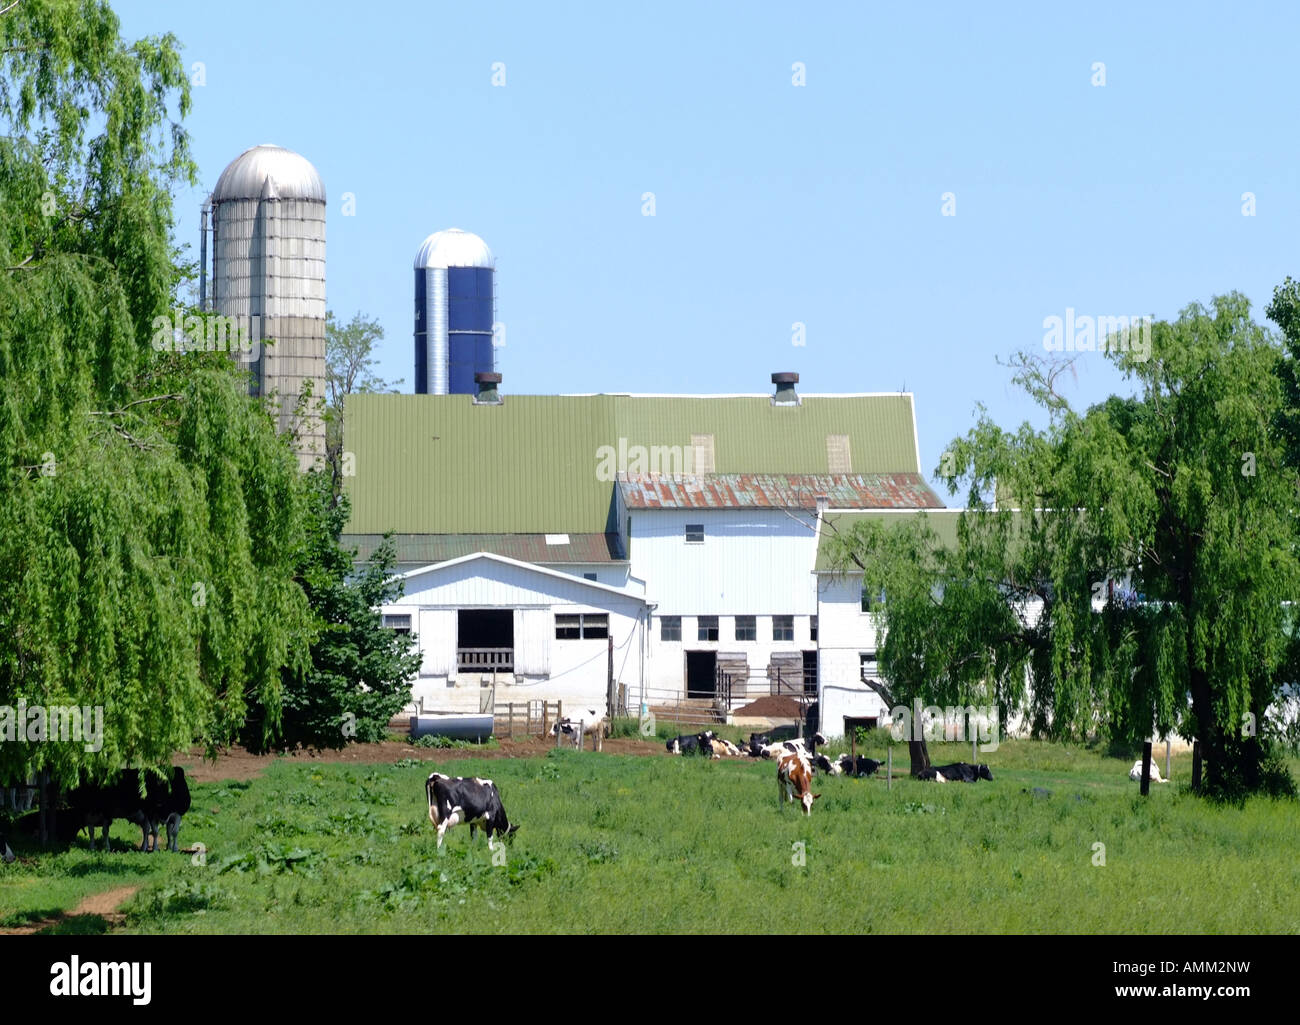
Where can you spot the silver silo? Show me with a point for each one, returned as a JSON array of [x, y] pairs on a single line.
[[454, 311], [268, 256]]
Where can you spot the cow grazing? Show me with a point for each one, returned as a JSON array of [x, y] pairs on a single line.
[[164, 803], [1135, 773], [858, 766], [592, 725], [957, 772], [794, 779], [476, 801]]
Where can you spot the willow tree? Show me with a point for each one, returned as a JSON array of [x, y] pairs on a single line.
[[149, 514], [1150, 564]]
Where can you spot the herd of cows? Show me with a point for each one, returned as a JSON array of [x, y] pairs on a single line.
[[798, 761], [457, 800], [155, 803], [152, 804]]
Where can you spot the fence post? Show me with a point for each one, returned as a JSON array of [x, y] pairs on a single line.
[[974, 758], [581, 727], [1145, 783], [889, 768], [511, 706], [1168, 755]]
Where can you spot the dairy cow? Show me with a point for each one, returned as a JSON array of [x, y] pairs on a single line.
[[473, 800]]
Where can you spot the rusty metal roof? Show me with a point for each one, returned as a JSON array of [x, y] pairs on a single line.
[[777, 491], [434, 548]]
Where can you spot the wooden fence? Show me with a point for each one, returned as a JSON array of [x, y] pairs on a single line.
[[525, 718]]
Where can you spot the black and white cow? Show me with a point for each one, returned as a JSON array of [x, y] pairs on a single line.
[[476, 801], [164, 803], [821, 763], [860, 766], [957, 772], [689, 744], [592, 725]]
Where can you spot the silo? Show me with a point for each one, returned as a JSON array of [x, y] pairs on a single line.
[[268, 255], [454, 312]]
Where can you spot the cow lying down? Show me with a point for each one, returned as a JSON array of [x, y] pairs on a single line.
[[476, 801], [1135, 773], [859, 766], [957, 772]]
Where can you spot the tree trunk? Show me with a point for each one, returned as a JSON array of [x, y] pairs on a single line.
[[916, 750]]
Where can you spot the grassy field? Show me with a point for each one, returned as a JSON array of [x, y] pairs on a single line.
[[616, 843]]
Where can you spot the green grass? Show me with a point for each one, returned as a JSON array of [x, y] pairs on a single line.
[[614, 843]]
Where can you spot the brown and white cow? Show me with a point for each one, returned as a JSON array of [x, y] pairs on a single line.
[[794, 778]]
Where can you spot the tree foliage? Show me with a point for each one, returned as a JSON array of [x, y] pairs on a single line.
[[349, 370], [360, 671], [149, 515], [1141, 582]]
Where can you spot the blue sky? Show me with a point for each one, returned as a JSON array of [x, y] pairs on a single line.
[[774, 204]]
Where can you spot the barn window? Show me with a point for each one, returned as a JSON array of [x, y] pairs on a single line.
[[568, 628], [400, 624], [746, 628], [589, 576], [670, 628], [783, 628], [695, 533], [812, 628], [584, 626], [708, 628], [871, 599]]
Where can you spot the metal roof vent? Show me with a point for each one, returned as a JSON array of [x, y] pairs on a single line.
[[488, 392], [785, 393]]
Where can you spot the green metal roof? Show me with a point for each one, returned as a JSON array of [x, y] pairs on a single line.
[[942, 521], [432, 548], [441, 464]]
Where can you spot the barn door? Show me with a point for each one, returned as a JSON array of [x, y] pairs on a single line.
[[533, 642]]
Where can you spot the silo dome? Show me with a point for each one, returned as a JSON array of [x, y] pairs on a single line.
[[292, 176], [454, 248]]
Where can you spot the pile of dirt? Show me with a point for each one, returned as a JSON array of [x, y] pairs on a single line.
[[775, 706]]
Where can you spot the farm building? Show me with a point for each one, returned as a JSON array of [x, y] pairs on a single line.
[[551, 542]]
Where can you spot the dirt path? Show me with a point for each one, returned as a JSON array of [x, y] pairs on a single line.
[[105, 905], [239, 764]]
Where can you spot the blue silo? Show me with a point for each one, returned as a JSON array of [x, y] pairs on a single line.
[[453, 312]]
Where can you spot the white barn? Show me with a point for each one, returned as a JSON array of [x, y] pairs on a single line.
[[530, 530]]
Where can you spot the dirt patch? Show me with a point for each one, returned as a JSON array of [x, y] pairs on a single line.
[[104, 905], [775, 706], [239, 764]]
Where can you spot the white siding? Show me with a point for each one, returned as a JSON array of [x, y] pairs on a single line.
[[752, 561], [844, 633], [571, 671]]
